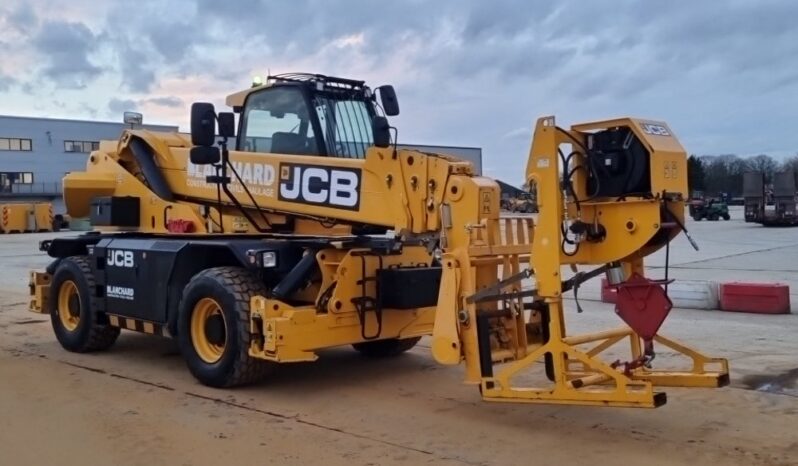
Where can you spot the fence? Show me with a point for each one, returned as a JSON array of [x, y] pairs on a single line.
[[52, 188]]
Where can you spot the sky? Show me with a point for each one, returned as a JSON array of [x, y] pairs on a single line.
[[724, 75]]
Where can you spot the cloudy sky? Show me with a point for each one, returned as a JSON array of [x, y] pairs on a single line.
[[469, 72]]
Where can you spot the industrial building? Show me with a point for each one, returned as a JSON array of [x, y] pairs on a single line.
[[36, 153], [471, 154]]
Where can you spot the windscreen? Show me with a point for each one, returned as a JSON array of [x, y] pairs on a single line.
[[346, 124], [277, 121]]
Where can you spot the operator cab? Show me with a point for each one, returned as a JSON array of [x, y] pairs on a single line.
[[311, 114]]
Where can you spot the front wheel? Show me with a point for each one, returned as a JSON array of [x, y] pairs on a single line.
[[386, 348], [76, 324], [726, 217], [213, 327]]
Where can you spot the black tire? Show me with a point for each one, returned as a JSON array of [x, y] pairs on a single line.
[[231, 288], [726, 217], [81, 329], [386, 348]]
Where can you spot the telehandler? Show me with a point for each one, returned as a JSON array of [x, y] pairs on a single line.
[[303, 227]]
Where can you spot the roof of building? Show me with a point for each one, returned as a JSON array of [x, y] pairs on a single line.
[[510, 189], [73, 120]]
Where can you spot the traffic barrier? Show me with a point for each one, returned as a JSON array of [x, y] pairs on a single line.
[[687, 294], [44, 216], [16, 218], [608, 294], [21, 218], [694, 294], [758, 298]]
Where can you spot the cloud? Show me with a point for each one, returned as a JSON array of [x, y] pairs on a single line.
[[6, 82], [136, 71], [88, 109], [66, 47], [23, 17], [173, 40], [522, 133], [470, 72], [119, 106], [170, 101]]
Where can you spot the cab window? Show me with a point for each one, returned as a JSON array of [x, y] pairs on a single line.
[[276, 120]]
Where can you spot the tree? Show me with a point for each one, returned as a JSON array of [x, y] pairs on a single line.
[[723, 174], [695, 174], [763, 163], [790, 164]]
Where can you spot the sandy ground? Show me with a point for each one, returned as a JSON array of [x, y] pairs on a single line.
[[137, 404]]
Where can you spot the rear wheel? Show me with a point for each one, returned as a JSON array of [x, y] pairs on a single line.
[[213, 327], [73, 314], [386, 348]]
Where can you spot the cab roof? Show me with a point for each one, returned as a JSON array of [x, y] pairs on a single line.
[[319, 81]]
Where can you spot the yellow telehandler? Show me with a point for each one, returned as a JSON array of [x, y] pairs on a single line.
[[303, 227]]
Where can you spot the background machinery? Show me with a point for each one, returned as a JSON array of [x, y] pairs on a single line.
[[309, 233], [773, 204], [701, 208], [523, 204]]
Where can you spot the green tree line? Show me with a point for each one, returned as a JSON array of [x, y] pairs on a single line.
[[715, 174]]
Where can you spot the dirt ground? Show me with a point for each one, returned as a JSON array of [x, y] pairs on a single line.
[[137, 403]]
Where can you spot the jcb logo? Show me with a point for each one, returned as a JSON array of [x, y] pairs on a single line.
[[313, 184], [119, 258], [655, 130]]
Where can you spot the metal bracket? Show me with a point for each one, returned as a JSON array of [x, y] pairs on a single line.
[[493, 292]]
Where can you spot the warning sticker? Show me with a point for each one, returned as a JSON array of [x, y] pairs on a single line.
[[486, 202]]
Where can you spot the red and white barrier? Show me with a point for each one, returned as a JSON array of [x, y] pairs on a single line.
[[758, 298]]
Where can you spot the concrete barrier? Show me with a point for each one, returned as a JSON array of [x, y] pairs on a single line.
[[688, 294], [757, 298], [608, 295], [694, 294]]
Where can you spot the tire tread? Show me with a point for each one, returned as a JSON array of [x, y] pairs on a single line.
[[101, 336], [243, 285]]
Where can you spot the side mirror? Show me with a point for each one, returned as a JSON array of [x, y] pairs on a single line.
[[381, 131], [204, 155], [390, 104], [227, 125], [203, 124]]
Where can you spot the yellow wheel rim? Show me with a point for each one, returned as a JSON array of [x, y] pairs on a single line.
[[205, 310], [69, 305]]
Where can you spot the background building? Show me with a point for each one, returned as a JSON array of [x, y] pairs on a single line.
[[36, 153], [471, 154]]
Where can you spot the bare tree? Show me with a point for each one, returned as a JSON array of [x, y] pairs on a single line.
[[763, 163], [790, 164]]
